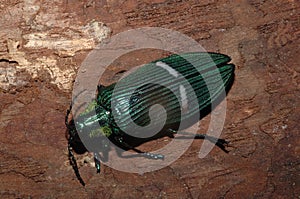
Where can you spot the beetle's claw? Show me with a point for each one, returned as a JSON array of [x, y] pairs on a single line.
[[221, 143]]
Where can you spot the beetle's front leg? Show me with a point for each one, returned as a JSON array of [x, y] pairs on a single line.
[[139, 152], [97, 162]]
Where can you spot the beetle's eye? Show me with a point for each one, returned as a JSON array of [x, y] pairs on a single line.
[[101, 122]]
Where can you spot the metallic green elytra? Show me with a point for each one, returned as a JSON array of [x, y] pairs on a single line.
[[188, 86]]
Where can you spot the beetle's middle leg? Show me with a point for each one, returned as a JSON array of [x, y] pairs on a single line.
[[139, 152]]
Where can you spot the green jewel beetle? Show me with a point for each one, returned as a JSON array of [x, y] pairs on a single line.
[[185, 85]]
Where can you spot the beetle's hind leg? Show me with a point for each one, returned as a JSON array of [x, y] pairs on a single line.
[[221, 143]]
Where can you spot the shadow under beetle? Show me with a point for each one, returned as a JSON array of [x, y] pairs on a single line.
[[199, 69]]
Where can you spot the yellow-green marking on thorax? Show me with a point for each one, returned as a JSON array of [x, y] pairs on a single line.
[[104, 130]]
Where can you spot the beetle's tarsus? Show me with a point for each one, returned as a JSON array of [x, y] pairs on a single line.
[[221, 143], [154, 156]]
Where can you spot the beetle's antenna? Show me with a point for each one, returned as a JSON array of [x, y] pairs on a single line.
[[67, 116], [73, 161]]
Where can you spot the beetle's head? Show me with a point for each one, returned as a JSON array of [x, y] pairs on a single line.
[[73, 138], [91, 128], [88, 132]]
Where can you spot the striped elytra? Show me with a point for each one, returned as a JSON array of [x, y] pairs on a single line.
[[198, 69], [185, 85]]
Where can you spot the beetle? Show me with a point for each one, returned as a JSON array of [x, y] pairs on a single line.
[[189, 88]]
